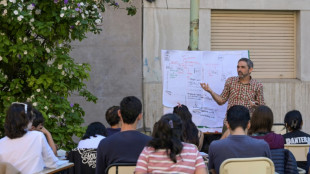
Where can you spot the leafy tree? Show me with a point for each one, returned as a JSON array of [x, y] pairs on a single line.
[[35, 65]]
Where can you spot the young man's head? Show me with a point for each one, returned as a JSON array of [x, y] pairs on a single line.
[[238, 116], [130, 109], [38, 120], [111, 116]]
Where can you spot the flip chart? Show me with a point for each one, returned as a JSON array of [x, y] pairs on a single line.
[[182, 73]]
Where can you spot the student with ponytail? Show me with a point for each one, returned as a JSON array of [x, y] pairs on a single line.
[[166, 153], [293, 123]]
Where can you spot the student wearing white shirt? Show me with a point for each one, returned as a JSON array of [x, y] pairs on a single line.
[[28, 151], [95, 132], [38, 125]]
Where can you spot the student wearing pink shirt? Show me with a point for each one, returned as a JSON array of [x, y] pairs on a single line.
[[165, 153]]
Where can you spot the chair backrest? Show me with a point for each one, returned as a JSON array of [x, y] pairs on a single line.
[[279, 128], [299, 151], [257, 165], [84, 161], [121, 168]]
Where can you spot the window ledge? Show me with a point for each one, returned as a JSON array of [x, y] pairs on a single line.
[[279, 80]]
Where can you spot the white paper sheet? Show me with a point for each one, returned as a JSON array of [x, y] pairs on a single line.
[[182, 73]]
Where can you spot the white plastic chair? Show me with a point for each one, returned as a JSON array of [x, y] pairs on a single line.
[[256, 165]]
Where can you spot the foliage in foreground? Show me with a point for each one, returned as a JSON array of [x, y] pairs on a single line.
[[35, 65]]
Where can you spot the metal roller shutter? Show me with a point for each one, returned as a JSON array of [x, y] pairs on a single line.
[[270, 36]]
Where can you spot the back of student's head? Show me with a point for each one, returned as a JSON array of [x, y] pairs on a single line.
[[111, 115], [190, 131], [238, 116], [167, 135], [18, 116], [293, 120], [130, 108], [262, 120], [93, 129], [37, 118]]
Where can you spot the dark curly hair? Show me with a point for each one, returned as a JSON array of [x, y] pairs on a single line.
[[93, 129], [37, 118], [190, 131], [167, 135], [111, 115], [130, 108], [18, 116]]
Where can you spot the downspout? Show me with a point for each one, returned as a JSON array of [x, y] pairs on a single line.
[[194, 25]]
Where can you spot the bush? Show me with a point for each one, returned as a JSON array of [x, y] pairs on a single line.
[[35, 65]]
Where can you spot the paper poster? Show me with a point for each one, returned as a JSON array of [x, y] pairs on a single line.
[[183, 71]]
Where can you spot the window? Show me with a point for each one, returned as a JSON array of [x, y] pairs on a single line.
[[270, 37]]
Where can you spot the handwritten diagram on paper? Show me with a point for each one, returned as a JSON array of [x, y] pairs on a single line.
[[183, 71]]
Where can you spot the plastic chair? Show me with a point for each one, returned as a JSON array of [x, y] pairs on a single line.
[[299, 151], [121, 168], [279, 128], [256, 165]]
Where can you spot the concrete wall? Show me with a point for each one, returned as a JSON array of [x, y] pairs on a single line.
[[115, 59], [166, 26]]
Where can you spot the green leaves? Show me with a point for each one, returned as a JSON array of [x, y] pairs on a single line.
[[35, 65], [131, 10]]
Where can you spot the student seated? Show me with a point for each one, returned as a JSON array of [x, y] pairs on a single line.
[[28, 151], [190, 133], [237, 144], [95, 132], [261, 125], [113, 119], [84, 156], [38, 125], [166, 147], [125, 146], [293, 123]]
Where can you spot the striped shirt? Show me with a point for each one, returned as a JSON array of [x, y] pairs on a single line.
[[238, 93], [151, 161]]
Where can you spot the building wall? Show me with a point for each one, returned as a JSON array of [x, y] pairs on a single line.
[[166, 26], [115, 59]]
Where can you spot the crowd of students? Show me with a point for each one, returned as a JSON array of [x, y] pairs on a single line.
[[173, 147]]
